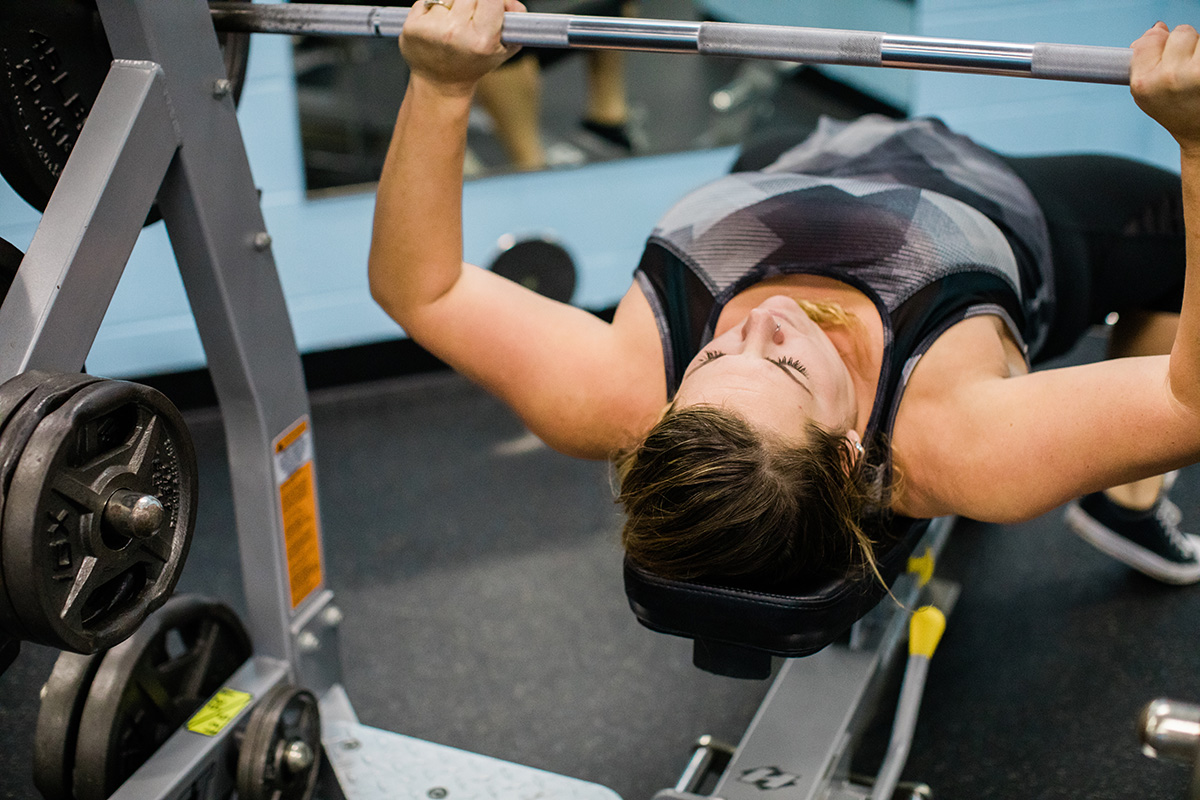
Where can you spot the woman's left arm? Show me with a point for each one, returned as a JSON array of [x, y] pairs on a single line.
[[1166, 84], [1009, 449]]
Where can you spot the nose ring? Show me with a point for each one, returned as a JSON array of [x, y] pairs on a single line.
[[777, 327]]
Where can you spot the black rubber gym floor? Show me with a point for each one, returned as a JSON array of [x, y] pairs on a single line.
[[481, 580]]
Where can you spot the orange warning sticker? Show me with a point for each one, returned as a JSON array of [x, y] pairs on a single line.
[[298, 501]]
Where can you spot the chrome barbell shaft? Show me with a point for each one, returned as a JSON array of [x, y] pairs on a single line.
[[1065, 62]]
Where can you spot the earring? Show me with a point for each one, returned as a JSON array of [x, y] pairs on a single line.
[[859, 450]]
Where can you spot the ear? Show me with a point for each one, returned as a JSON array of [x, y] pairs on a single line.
[[854, 442]]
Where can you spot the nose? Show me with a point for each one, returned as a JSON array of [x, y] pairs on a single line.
[[760, 329]]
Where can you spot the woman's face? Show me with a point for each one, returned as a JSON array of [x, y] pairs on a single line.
[[777, 369]]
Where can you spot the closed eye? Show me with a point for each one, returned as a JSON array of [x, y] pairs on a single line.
[[710, 355], [788, 361]]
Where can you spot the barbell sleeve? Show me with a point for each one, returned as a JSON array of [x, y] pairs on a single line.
[[1062, 62]]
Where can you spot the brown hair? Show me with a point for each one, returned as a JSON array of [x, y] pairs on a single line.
[[708, 496]]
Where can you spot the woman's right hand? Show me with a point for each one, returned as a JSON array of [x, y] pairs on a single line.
[[455, 43], [1165, 81]]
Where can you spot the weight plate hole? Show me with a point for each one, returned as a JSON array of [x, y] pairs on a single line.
[[112, 540], [175, 645], [110, 598], [104, 434]]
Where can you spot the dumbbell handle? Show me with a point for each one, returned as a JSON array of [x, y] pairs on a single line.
[[1065, 62]]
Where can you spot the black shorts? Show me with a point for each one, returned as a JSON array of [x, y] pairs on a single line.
[[1116, 233]]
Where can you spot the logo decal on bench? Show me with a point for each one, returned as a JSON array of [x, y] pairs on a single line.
[[767, 778]]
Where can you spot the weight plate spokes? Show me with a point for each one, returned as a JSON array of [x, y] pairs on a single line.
[[281, 747], [148, 685], [98, 515]]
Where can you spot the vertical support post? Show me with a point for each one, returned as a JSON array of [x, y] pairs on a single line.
[[210, 205], [69, 273]]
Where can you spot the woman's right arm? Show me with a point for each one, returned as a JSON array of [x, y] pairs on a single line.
[[583, 385]]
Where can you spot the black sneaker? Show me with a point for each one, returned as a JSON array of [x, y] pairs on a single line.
[[1149, 541], [614, 135]]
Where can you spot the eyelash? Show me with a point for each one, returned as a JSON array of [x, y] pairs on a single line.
[[788, 361], [783, 361]]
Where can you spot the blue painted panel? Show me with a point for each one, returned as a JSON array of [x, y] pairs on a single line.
[[1028, 116], [603, 212]]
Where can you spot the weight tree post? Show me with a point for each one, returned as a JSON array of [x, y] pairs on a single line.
[[67, 278], [210, 206]]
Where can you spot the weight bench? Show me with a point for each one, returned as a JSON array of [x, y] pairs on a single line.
[[839, 637]]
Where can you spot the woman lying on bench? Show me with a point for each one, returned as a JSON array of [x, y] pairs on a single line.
[[840, 332]]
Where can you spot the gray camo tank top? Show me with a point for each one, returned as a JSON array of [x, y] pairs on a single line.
[[929, 225]]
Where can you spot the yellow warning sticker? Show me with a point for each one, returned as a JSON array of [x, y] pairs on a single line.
[[298, 502], [218, 712]]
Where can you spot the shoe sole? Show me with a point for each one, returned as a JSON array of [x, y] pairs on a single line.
[[1129, 553]]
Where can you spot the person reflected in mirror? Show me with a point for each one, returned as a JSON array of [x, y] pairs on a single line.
[[512, 96], [842, 334]]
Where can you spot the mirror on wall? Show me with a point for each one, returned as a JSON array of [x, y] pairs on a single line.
[[555, 109]]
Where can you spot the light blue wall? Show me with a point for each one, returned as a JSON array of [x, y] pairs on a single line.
[[603, 212], [1015, 115], [1020, 116]]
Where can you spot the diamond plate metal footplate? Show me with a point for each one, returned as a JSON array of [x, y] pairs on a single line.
[[372, 764]]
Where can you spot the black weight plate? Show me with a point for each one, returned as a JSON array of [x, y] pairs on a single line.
[[55, 57], [540, 264], [285, 715], [74, 582], [62, 700], [151, 683], [17, 421]]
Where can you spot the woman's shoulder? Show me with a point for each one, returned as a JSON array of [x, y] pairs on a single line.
[[938, 400]]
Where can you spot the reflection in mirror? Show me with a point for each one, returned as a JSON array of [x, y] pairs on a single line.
[[560, 108]]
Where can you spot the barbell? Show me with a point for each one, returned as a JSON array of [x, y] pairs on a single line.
[[1063, 62]]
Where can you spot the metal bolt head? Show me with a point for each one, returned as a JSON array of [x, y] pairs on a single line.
[[298, 757], [133, 514], [437, 793], [222, 87], [332, 616], [308, 642], [262, 240]]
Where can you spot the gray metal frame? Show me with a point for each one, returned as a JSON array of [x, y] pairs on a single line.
[[798, 745], [164, 127]]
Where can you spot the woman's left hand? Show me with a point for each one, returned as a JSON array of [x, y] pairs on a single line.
[[454, 43], [1165, 81]]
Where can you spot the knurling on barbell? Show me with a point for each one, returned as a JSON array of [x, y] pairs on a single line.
[[1045, 60]]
